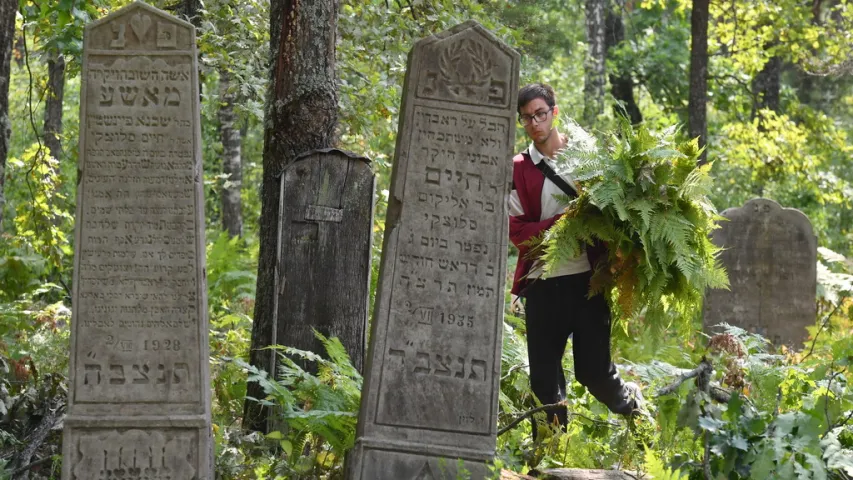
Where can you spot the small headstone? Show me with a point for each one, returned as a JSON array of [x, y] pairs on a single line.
[[770, 254], [430, 399], [325, 237], [139, 394]]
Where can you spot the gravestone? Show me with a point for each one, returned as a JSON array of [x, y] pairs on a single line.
[[139, 393], [430, 397], [325, 238], [770, 254]]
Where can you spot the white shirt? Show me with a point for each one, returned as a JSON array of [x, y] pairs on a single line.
[[550, 207]]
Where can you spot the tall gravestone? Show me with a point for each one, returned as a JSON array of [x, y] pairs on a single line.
[[770, 254], [139, 394], [325, 237], [430, 396]]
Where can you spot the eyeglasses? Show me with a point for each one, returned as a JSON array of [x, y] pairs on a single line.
[[539, 116]]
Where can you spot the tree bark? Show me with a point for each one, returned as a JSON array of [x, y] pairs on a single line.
[[190, 10], [229, 133], [301, 114], [53, 105], [8, 9], [766, 87], [621, 83], [594, 70], [697, 122]]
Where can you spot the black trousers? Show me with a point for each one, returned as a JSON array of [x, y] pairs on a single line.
[[556, 308]]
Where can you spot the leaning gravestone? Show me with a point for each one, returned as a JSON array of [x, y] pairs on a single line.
[[770, 254], [430, 397], [139, 397], [325, 237]]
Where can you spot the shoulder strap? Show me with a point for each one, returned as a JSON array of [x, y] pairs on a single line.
[[550, 174]]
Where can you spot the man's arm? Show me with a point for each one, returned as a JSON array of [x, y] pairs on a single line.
[[521, 230], [521, 226]]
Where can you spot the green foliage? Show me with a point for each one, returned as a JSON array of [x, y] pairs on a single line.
[[319, 411], [231, 273], [643, 195], [799, 163], [656, 469], [43, 224], [236, 38], [58, 26]]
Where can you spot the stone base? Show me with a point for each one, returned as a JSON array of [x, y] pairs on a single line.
[[103, 450], [394, 461]]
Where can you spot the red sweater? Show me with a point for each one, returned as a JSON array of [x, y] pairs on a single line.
[[527, 181]]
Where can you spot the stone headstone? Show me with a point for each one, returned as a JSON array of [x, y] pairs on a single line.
[[770, 254], [430, 398], [325, 237], [139, 393]]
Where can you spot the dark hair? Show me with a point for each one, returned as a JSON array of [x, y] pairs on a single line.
[[531, 92]]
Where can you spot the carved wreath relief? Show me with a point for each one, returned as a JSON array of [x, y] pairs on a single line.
[[466, 74]]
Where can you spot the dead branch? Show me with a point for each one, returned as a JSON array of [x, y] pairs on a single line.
[[563, 403], [704, 366]]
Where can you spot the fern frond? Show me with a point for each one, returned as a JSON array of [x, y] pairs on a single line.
[[644, 195]]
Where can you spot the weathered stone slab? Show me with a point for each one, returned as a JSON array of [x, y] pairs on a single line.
[[325, 237], [139, 399], [431, 388], [584, 474], [771, 257]]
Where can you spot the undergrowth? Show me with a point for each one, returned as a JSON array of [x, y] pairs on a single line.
[[754, 412]]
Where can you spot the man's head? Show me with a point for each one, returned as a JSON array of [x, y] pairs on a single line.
[[537, 107]]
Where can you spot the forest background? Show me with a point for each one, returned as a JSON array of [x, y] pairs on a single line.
[[770, 92]]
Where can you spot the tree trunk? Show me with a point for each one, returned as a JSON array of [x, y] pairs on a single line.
[[621, 83], [190, 10], [697, 122], [766, 87], [8, 9], [232, 210], [594, 70], [53, 105], [301, 113]]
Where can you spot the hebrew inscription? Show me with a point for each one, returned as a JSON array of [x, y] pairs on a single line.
[[138, 254], [448, 257]]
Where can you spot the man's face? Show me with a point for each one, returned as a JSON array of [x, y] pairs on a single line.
[[537, 131]]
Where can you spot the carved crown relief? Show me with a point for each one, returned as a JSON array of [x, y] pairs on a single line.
[[465, 68]]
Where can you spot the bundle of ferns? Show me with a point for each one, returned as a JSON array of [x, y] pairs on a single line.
[[642, 195]]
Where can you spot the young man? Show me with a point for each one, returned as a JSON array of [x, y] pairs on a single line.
[[557, 306]]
